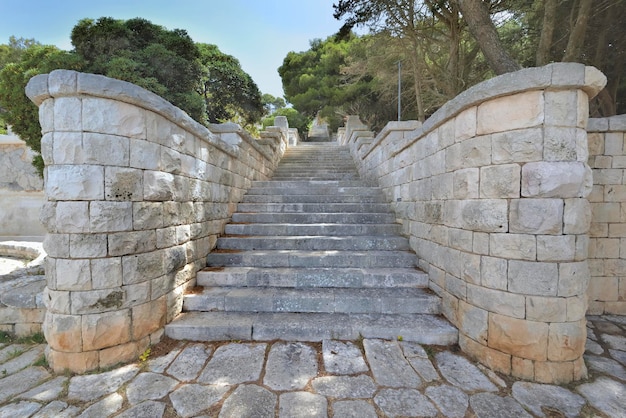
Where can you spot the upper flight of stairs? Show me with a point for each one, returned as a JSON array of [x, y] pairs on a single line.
[[312, 254]]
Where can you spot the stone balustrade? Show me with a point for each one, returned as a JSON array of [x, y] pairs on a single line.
[[136, 195], [607, 236], [493, 192]]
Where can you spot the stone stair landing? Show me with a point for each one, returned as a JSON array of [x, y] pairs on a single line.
[[313, 254]]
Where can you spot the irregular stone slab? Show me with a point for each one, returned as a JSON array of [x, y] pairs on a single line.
[[249, 401], [361, 386], [404, 403], [418, 359], [104, 408], [22, 361], [290, 366], [606, 395], [354, 409], [606, 327], [606, 365], [593, 347], [148, 409], [159, 364], [616, 342], [489, 405], [57, 409], [189, 363], [342, 358], [21, 382], [20, 409], [302, 405], [451, 401], [149, 386], [10, 350], [190, 400], [233, 364], [91, 387], [461, 373], [47, 391], [492, 376], [534, 396], [388, 364], [619, 356]]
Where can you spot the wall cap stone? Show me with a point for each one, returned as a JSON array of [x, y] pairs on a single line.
[[611, 124]]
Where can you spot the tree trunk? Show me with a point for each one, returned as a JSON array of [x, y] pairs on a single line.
[[476, 14], [577, 36], [547, 32]]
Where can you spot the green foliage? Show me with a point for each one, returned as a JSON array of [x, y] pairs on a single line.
[[272, 104], [294, 118]]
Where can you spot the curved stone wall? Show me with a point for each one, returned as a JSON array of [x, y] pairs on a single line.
[[492, 191], [136, 195]]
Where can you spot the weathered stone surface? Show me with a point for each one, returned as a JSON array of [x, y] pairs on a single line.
[[606, 366], [22, 361], [91, 387], [404, 403], [290, 366], [461, 373], [618, 355], [57, 409], [554, 179], [523, 110], [605, 394], [21, 381], [361, 386], [342, 358], [189, 363], [527, 339], [75, 182], [149, 386], [489, 405], [616, 342], [46, 392], [418, 359], [593, 347], [388, 364], [532, 278], [354, 409], [536, 216], [105, 407], [451, 401], [190, 400], [249, 401], [302, 405], [233, 364], [148, 409], [481, 215], [534, 396], [20, 409], [159, 364], [500, 181]]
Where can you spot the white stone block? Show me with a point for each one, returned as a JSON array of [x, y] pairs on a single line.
[[79, 182], [482, 215], [57, 245], [106, 273], [493, 273], [72, 275], [497, 301], [106, 149], [560, 144], [561, 108], [536, 216], [88, 245], [124, 243], [71, 217], [525, 145], [576, 216], [170, 160], [107, 216], [500, 181], [46, 116], [523, 110], [474, 152], [573, 279], [145, 154], [123, 184], [465, 124], [67, 148], [158, 186], [68, 114], [513, 246], [556, 248], [147, 215], [465, 183], [533, 278], [113, 117], [554, 179]]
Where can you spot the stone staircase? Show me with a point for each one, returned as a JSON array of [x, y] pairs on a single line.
[[313, 254]]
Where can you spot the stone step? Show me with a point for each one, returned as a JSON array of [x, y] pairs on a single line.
[[314, 243], [313, 277], [224, 326], [310, 184], [312, 259], [307, 189], [320, 300], [348, 176], [314, 208], [304, 198], [314, 218], [312, 229]]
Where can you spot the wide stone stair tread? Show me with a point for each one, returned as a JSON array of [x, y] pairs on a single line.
[[294, 229], [314, 243], [314, 218], [313, 208], [266, 326], [316, 184], [307, 189], [306, 198]]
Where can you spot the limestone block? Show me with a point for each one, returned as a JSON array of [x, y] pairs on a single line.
[[456, 286], [522, 368], [68, 114], [105, 149], [460, 239], [124, 243], [614, 143], [46, 116], [617, 230], [608, 176], [480, 244], [597, 194], [73, 274], [170, 160], [577, 308], [566, 340], [67, 148], [141, 267], [166, 237], [465, 183], [533, 278], [546, 309], [576, 216], [560, 144], [603, 288], [107, 216], [123, 184], [158, 185], [148, 317], [79, 363], [105, 330], [473, 322], [474, 152], [573, 278], [513, 246], [136, 294], [525, 145], [182, 189], [96, 301], [492, 300], [113, 117], [75, 182], [536, 216], [554, 179], [442, 186], [484, 215], [56, 302], [88, 245], [465, 124], [445, 135], [556, 247], [565, 108], [106, 273], [57, 245], [523, 110], [69, 217], [124, 353], [47, 142], [147, 215], [596, 143], [145, 154], [493, 273], [518, 337], [63, 332], [500, 181], [470, 268], [605, 212], [494, 359], [605, 248]]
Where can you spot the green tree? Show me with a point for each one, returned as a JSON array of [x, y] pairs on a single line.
[[271, 103]]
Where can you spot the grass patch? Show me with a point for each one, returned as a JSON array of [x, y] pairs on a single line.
[[37, 338], [42, 361], [6, 338]]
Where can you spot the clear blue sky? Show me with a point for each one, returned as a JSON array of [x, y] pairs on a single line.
[[259, 33]]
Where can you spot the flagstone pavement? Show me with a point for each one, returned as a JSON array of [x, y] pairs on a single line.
[[367, 378]]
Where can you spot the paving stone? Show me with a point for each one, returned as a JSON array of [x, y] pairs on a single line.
[[190, 400], [104, 408], [619, 356], [233, 364], [489, 405], [606, 366], [593, 347], [361, 386], [149, 386], [20, 409], [388, 364], [353, 409], [290, 366], [22, 361], [148, 409], [616, 342], [342, 358], [91, 387], [418, 359], [159, 364], [619, 319], [249, 401], [606, 327], [461, 373], [187, 366], [606, 395], [404, 403], [47, 391], [57, 409], [534, 396], [492, 376], [9, 351], [451, 401], [302, 405], [21, 382]]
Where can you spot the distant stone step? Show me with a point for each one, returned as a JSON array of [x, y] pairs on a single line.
[[314, 207], [225, 326], [314, 243], [313, 218], [320, 300], [307, 198], [330, 176], [310, 184], [313, 229], [313, 190], [313, 277]]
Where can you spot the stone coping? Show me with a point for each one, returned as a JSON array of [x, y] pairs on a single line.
[[11, 140], [610, 124], [24, 249]]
